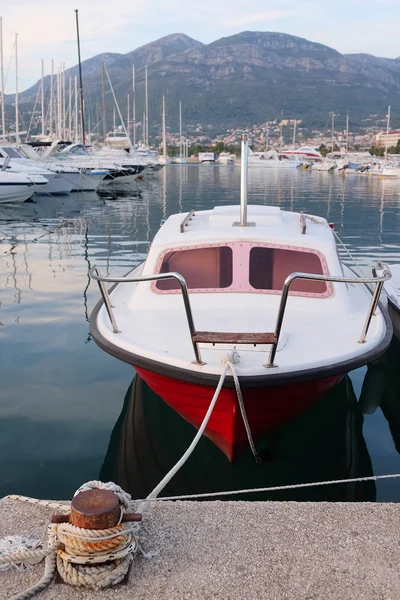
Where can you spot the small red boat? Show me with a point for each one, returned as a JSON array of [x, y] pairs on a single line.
[[269, 288]]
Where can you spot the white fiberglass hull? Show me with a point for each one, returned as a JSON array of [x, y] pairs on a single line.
[[18, 187], [57, 184], [89, 181], [274, 164], [118, 183], [16, 193]]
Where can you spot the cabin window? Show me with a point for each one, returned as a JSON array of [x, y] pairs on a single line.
[[269, 267], [11, 152], [203, 268]]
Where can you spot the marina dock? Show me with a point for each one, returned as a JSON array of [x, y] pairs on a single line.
[[234, 550]]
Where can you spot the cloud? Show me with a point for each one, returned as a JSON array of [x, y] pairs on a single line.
[[260, 17]]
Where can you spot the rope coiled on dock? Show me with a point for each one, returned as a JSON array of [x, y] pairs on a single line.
[[95, 558]]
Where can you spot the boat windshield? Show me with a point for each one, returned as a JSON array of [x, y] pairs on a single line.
[[269, 267], [11, 152], [243, 267], [203, 268]]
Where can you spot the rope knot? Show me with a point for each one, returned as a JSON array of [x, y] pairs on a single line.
[[233, 357]]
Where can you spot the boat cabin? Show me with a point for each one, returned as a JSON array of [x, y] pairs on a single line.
[[215, 255]]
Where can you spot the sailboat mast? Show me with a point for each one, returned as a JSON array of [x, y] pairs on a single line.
[[294, 134], [76, 111], [51, 97], [3, 114], [387, 133], [58, 128], [333, 128], [114, 124], [128, 116], [147, 106], [42, 92], [103, 99], [134, 106], [69, 108], [347, 132], [180, 129], [80, 79], [64, 123], [164, 132], [16, 91]]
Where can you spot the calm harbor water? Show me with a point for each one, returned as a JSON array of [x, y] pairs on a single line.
[[70, 413]]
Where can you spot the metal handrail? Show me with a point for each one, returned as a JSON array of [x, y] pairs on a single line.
[[95, 274], [379, 280]]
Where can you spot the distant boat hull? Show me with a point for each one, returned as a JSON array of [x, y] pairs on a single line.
[[275, 164], [266, 407], [15, 193]]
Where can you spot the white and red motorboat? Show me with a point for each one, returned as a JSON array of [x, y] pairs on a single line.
[[268, 284]]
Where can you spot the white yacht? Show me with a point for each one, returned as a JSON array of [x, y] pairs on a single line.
[[225, 159], [85, 179], [271, 160], [118, 139], [18, 187], [59, 181], [206, 157], [121, 171]]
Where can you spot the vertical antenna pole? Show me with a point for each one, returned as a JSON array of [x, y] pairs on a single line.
[[243, 181], [80, 79]]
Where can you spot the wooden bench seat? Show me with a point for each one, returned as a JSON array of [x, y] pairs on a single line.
[[221, 337]]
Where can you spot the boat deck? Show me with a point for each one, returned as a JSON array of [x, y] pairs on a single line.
[[232, 550]]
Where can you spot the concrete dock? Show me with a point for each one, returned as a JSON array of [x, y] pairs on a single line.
[[241, 550]]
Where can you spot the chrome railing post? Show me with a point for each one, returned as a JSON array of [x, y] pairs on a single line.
[[379, 280], [106, 300], [95, 274], [373, 306], [189, 316], [279, 320]]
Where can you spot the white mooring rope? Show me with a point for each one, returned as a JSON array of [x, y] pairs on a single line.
[[229, 361]]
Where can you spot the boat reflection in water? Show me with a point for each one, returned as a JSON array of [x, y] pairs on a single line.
[[381, 388], [323, 443]]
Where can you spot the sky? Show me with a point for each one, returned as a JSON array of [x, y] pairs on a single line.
[[46, 28]]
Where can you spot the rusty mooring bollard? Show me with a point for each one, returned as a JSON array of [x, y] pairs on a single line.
[[95, 509]]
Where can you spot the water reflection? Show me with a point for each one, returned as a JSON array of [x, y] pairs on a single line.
[[381, 388], [69, 391], [325, 442]]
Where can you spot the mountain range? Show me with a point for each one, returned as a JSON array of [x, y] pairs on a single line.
[[241, 80]]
